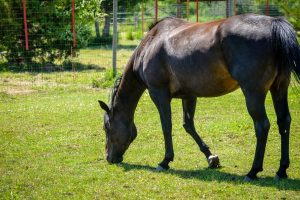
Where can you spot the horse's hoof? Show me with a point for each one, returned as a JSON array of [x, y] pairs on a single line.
[[213, 161], [278, 178], [248, 179], [160, 169]]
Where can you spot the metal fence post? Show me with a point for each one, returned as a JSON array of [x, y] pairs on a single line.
[[227, 8], [267, 7], [115, 37], [197, 10], [156, 10]]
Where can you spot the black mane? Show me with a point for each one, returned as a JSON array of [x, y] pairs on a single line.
[[154, 23], [115, 89]]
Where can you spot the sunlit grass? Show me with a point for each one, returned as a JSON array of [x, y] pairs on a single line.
[[52, 146], [102, 56]]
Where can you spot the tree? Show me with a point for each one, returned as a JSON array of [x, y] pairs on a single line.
[[107, 8], [49, 29], [291, 9], [91, 13]]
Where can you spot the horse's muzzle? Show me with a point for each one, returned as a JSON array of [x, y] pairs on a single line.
[[114, 160]]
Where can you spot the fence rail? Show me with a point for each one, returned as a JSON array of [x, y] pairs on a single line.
[[41, 38]]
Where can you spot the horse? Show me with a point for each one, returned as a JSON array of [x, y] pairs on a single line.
[[186, 60]]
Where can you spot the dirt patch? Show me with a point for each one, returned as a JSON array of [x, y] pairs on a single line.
[[19, 91], [16, 90]]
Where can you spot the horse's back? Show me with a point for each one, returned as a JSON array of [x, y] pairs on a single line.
[[208, 59]]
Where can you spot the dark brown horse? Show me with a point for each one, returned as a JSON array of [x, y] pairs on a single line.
[[179, 59]]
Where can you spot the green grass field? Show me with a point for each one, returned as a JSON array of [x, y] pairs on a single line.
[[52, 145]]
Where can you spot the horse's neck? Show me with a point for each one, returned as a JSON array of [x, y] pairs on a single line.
[[128, 95]]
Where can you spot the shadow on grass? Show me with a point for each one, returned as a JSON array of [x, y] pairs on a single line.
[[35, 67], [109, 47], [216, 175]]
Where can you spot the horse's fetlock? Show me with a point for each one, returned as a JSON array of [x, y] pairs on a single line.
[[255, 170], [284, 163]]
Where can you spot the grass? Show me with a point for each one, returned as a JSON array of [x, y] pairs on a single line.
[[91, 55], [52, 145]]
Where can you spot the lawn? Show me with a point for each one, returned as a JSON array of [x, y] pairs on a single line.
[[52, 145]]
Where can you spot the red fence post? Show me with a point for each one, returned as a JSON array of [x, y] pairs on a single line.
[[73, 24], [197, 8], [156, 10], [25, 23], [267, 7]]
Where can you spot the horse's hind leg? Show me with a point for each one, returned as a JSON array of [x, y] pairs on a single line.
[[255, 104], [279, 96], [189, 106]]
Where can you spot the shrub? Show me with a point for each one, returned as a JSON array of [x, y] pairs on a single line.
[[106, 81], [129, 35], [139, 35], [50, 32]]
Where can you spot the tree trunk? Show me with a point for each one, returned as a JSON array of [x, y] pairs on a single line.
[[105, 32], [97, 28]]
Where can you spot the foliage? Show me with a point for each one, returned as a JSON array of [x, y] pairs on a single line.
[[106, 81], [129, 35], [139, 34], [107, 5], [49, 29], [292, 11], [101, 41]]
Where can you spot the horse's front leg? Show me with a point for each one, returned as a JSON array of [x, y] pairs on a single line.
[[189, 106], [162, 99]]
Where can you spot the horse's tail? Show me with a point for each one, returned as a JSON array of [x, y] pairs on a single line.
[[286, 46]]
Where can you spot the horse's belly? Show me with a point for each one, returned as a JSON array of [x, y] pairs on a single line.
[[207, 84], [217, 88]]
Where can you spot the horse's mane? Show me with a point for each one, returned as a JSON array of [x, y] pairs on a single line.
[[118, 80], [115, 89], [154, 23]]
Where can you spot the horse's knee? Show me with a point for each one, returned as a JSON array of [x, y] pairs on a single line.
[[262, 128], [284, 124]]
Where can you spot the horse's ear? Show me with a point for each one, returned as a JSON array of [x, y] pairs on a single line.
[[103, 106]]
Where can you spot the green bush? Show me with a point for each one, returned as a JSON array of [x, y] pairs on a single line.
[[106, 81], [49, 33], [129, 35], [139, 35], [101, 41]]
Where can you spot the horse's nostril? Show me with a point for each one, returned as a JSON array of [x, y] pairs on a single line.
[[116, 160]]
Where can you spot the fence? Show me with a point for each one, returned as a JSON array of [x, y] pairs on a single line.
[[46, 36]]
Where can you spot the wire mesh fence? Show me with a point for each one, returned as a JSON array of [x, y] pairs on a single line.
[[45, 37]]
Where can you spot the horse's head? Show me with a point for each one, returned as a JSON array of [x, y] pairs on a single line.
[[119, 134]]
